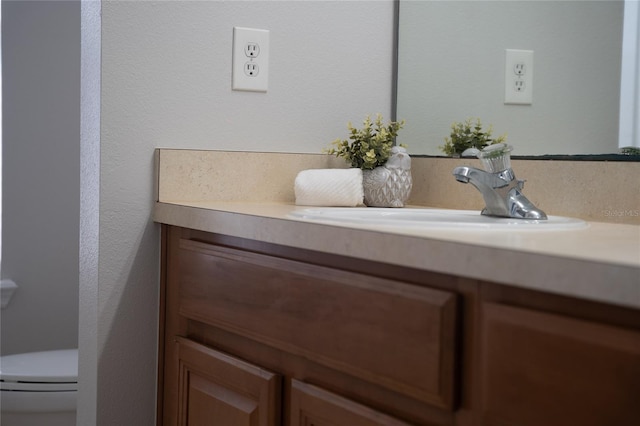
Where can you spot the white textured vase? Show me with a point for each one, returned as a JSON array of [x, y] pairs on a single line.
[[389, 185]]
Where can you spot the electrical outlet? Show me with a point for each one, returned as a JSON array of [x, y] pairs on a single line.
[[519, 86], [518, 77], [250, 60], [251, 69], [252, 49]]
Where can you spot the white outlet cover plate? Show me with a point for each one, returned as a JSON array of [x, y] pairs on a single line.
[[518, 77], [257, 81]]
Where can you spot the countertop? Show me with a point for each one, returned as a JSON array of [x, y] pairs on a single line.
[[600, 262]]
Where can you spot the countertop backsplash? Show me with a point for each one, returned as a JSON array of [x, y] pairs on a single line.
[[589, 190]]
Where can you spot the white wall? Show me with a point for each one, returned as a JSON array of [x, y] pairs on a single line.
[[89, 212], [41, 145], [166, 77], [458, 72]]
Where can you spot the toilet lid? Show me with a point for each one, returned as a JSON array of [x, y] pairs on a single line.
[[59, 366]]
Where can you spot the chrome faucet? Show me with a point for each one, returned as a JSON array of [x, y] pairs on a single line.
[[501, 191]]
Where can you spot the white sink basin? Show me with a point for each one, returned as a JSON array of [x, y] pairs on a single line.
[[430, 218]]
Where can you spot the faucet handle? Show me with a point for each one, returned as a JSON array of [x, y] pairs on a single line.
[[496, 158]]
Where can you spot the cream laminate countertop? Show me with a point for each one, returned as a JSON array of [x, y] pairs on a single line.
[[600, 262]]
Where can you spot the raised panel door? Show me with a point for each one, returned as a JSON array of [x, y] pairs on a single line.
[[216, 389], [546, 369], [314, 406]]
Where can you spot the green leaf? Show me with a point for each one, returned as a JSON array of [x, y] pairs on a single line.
[[370, 146]]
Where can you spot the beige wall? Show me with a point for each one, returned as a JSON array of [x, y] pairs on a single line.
[[166, 82]]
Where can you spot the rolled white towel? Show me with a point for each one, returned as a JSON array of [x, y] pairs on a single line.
[[329, 187]]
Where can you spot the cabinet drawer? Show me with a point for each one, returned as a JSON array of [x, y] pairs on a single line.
[[390, 333], [546, 369]]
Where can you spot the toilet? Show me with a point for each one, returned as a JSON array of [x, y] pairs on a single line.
[[39, 388]]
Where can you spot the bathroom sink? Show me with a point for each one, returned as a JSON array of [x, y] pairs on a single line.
[[430, 218]]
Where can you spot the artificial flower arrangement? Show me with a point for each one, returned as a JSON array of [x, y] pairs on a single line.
[[368, 147]]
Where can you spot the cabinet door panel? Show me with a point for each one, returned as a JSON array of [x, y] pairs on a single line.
[[313, 406], [546, 369], [218, 390], [390, 333], [209, 403]]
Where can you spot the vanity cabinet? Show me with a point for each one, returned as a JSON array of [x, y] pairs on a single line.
[[239, 323], [260, 334]]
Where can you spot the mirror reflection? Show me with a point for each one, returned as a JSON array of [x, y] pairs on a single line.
[[451, 67]]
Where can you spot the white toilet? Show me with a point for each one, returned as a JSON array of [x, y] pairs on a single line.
[[39, 388]]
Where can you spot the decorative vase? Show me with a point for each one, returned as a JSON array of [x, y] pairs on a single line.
[[389, 185]]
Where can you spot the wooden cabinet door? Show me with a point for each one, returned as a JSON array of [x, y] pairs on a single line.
[[546, 369], [313, 406], [216, 389]]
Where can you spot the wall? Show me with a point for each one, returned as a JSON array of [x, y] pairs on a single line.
[[166, 76], [89, 212], [41, 143], [458, 72]]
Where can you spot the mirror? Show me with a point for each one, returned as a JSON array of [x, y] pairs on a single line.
[[451, 66]]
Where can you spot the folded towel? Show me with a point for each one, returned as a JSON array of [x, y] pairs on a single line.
[[329, 187]]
